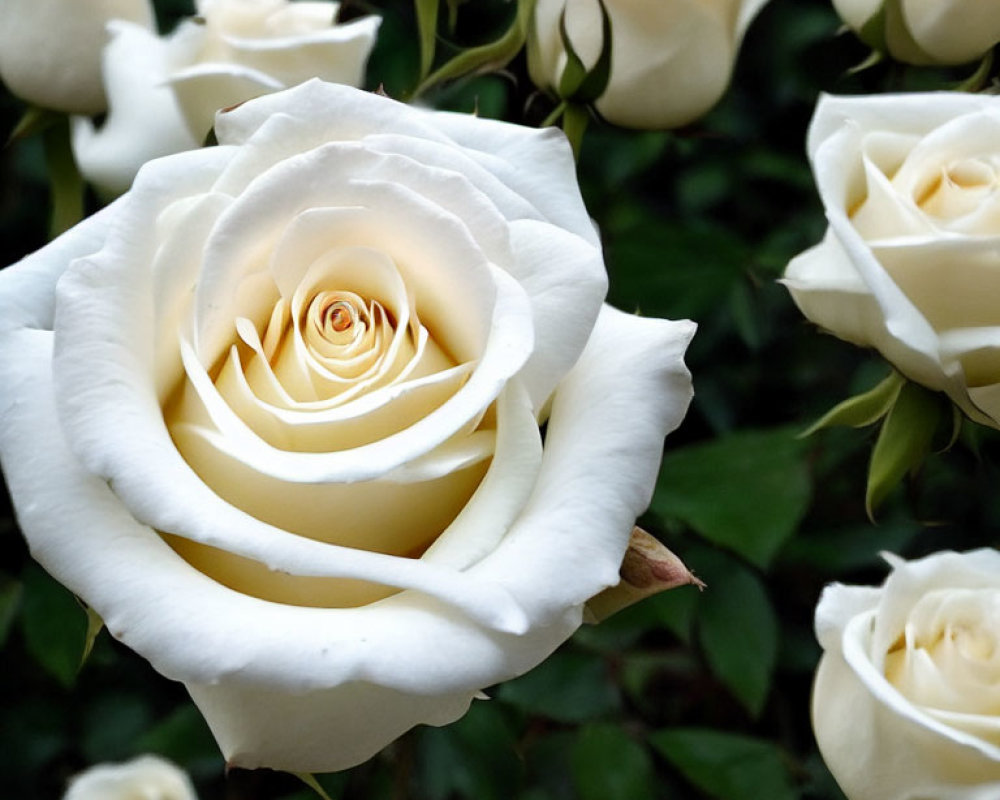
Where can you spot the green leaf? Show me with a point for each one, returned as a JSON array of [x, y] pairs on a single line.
[[609, 765], [568, 687], [903, 441], [672, 270], [427, 20], [738, 629], [11, 591], [54, 624], [113, 722], [862, 409], [182, 736], [727, 766], [746, 491], [476, 757]]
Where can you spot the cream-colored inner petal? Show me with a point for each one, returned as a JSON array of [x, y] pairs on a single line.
[[342, 362], [947, 659]]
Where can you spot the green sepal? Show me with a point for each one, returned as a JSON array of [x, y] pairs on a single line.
[[577, 83], [310, 780], [493, 56], [862, 409], [873, 58], [903, 441], [34, 120], [453, 14], [94, 626], [979, 79], [427, 21], [872, 33]]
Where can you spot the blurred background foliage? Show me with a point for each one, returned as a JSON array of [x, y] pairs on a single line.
[[688, 694]]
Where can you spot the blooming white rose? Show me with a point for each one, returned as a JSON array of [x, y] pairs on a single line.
[[671, 60], [910, 263], [164, 91], [906, 703], [143, 778], [274, 415], [50, 50], [929, 31]]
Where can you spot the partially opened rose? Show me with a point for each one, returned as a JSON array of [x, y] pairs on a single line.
[[275, 416], [906, 704], [163, 91], [910, 264], [671, 60], [927, 31]]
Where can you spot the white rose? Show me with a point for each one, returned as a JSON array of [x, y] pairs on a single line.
[[910, 263], [275, 413], [671, 60], [164, 91], [142, 778], [50, 50], [929, 31], [906, 704]]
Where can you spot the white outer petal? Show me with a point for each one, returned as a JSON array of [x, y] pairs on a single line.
[[144, 121], [50, 50]]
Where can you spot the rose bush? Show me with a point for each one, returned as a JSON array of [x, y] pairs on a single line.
[[906, 703], [927, 31], [142, 778], [274, 415], [50, 50], [910, 263], [164, 91], [670, 61]]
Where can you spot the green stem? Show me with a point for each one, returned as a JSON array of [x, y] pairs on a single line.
[[65, 182], [575, 120]]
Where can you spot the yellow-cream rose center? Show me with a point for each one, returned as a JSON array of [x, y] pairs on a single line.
[[956, 189], [948, 659], [329, 369]]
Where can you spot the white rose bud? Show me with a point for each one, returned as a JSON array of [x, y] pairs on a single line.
[[909, 264], [143, 778], [164, 92], [906, 704], [50, 50], [929, 31], [671, 60], [274, 415]]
